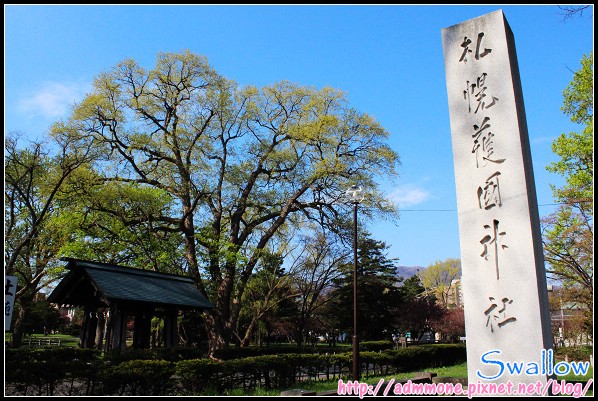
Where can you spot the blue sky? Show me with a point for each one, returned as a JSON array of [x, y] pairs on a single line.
[[387, 58]]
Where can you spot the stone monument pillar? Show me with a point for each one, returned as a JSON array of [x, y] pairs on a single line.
[[507, 317]]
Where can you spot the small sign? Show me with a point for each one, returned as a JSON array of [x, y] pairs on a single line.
[[10, 289]]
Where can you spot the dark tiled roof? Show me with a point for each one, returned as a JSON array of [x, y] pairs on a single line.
[[112, 282]]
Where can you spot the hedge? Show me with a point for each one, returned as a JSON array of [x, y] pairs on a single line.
[[165, 354], [376, 345], [40, 371], [72, 371], [138, 377], [244, 352]]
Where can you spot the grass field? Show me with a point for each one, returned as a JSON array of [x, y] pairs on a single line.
[[65, 339]]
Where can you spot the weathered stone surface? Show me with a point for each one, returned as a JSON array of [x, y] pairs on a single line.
[[503, 274]]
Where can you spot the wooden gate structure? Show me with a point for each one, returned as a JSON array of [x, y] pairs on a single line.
[[111, 294]]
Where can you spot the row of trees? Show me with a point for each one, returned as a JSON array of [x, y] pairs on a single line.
[[180, 170], [316, 298]]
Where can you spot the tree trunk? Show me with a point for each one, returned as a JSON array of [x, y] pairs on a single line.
[[299, 337], [25, 301], [247, 338], [219, 322], [215, 339]]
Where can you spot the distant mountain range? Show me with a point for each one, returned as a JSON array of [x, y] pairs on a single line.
[[408, 271]]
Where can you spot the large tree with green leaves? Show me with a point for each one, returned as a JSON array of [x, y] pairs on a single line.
[[576, 149], [569, 232], [240, 163], [115, 222], [37, 180]]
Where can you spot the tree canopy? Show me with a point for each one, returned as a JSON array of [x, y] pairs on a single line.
[[437, 279], [576, 149], [239, 164], [568, 234], [378, 294], [37, 182]]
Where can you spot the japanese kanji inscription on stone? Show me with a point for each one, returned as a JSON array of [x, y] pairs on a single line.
[[504, 281]]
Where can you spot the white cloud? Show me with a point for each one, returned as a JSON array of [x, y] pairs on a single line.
[[543, 139], [53, 99], [408, 195]]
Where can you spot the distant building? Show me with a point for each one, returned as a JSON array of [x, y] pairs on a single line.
[[68, 312], [567, 319], [39, 297], [455, 295]]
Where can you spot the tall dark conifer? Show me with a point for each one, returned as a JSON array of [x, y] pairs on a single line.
[[378, 293]]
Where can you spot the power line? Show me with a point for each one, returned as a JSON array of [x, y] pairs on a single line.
[[454, 210]]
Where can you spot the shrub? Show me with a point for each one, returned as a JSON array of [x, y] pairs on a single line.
[[197, 375], [245, 352], [380, 361], [376, 345], [138, 377], [425, 356], [42, 370], [574, 353]]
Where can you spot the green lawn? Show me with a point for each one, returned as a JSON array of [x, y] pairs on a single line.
[[569, 378], [65, 339], [573, 377]]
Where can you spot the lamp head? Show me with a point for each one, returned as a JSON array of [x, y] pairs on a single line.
[[355, 194]]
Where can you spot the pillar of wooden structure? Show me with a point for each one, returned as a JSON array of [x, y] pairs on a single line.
[[84, 325], [100, 329], [88, 329], [90, 336], [170, 328], [142, 329]]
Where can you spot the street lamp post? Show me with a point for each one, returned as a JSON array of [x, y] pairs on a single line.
[[355, 194]]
